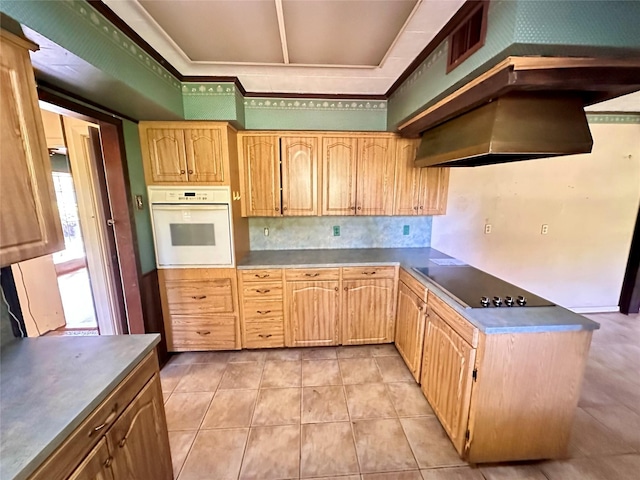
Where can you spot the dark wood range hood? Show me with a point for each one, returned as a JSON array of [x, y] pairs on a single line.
[[523, 108]]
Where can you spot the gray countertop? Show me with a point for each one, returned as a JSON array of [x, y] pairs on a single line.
[[49, 385], [488, 320]]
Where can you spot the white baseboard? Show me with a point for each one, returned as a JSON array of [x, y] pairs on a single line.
[[614, 309]]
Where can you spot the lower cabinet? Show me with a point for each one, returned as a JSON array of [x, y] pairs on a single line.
[[313, 313], [97, 465], [410, 323]]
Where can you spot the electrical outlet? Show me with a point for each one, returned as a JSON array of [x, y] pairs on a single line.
[[405, 230], [545, 229], [336, 231], [266, 231], [487, 228]]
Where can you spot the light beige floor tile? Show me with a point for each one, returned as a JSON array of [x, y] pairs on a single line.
[[354, 351], [369, 400], [359, 370], [324, 404], [456, 473], [382, 446], [623, 422], [180, 444], [408, 475], [277, 406], [408, 399], [185, 358], [209, 357], [575, 469], [384, 350], [201, 377], [319, 353], [341, 477], [590, 437], [327, 449], [170, 376], [272, 453], [620, 467], [320, 372], [512, 472], [215, 454], [393, 369], [247, 356], [430, 443], [284, 354], [281, 374], [242, 376], [185, 411], [231, 408], [165, 396]]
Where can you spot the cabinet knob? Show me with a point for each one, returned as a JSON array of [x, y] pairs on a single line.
[[108, 462], [284, 209], [359, 208], [420, 207], [346, 288], [336, 289], [182, 172], [420, 308], [122, 442], [190, 172], [352, 208], [277, 209], [415, 208]]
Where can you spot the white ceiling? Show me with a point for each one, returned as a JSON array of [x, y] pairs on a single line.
[[295, 46]]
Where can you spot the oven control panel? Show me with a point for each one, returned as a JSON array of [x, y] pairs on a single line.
[[182, 195]]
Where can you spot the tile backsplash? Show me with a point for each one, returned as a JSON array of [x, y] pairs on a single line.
[[295, 233]]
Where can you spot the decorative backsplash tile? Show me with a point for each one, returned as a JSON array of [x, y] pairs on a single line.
[[355, 232]]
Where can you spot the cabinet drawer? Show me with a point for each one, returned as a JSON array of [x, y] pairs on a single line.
[[217, 332], [414, 284], [461, 326], [261, 275], [312, 274], [265, 334], [362, 273], [258, 310], [270, 290], [200, 297]]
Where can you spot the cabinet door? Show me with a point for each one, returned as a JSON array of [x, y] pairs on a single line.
[[339, 175], [407, 188], [167, 155], [206, 161], [261, 159], [367, 311], [447, 368], [29, 219], [138, 440], [410, 323], [299, 176], [375, 176], [434, 188], [312, 313], [96, 465]]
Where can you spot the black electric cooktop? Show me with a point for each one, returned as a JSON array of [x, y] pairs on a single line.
[[477, 289]]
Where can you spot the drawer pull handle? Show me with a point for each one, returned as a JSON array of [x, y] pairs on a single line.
[[122, 442], [311, 274], [369, 273], [262, 276], [203, 333], [263, 312], [263, 290], [265, 336], [107, 462], [199, 297], [110, 418]]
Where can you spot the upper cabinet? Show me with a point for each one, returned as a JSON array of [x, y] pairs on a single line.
[[419, 191], [280, 174], [180, 152], [29, 221], [358, 175]]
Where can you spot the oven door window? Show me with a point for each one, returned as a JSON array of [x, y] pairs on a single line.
[[192, 234]]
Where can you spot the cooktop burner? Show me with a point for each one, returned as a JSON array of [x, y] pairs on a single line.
[[477, 289]]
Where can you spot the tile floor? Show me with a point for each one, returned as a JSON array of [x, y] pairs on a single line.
[[355, 413]]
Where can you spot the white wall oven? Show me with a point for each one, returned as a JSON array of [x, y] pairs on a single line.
[[192, 226]]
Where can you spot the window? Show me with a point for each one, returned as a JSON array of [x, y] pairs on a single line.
[[469, 36]]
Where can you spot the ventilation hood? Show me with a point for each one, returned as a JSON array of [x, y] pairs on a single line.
[[517, 126]]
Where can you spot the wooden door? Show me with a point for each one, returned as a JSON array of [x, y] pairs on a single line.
[[138, 440], [261, 157], [167, 155], [367, 311], [447, 369], [410, 323], [407, 187], [375, 177], [28, 212], [434, 189], [313, 310], [96, 465], [206, 160], [299, 176], [339, 175]]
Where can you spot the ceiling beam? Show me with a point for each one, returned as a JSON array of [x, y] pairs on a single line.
[[283, 33]]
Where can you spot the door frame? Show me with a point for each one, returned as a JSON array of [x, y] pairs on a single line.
[[117, 191]]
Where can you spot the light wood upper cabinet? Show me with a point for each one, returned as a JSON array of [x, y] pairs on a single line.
[[138, 440], [368, 309], [418, 191], [313, 312], [29, 221], [261, 172], [96, 466], [186, 152], [375, 176], [299, 175], [410, 325], [339, 166]]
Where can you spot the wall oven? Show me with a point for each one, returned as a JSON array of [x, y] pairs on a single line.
[[192, 226]]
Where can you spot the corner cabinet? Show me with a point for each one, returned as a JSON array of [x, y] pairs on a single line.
[[29, 220], [186, 152]]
